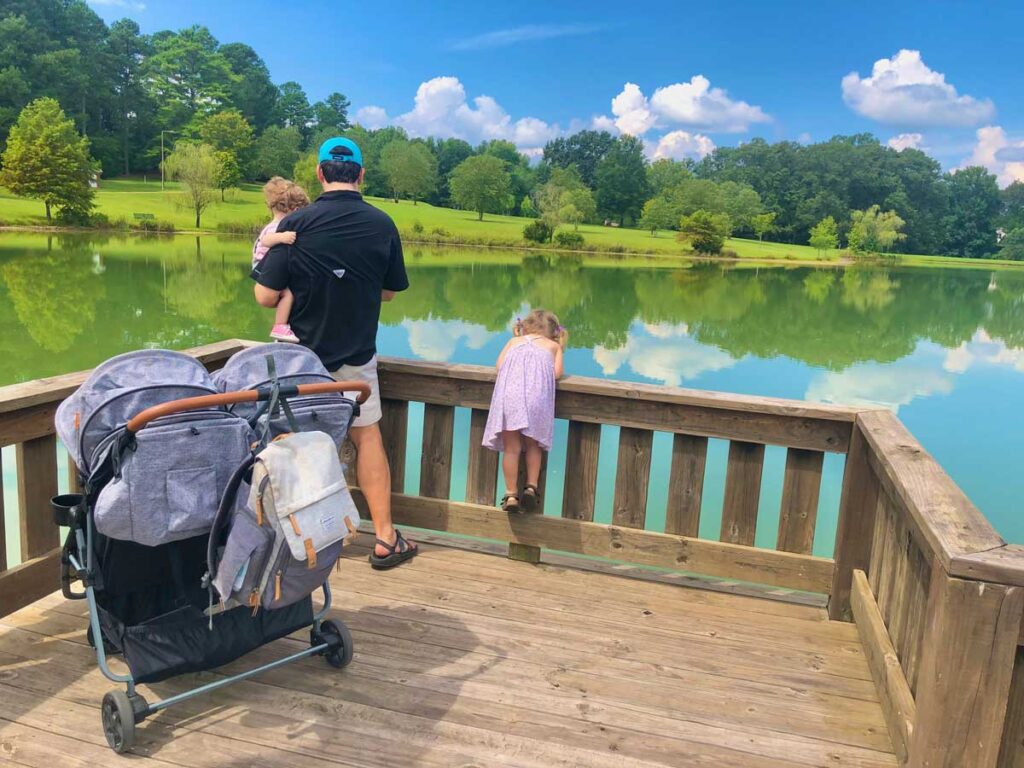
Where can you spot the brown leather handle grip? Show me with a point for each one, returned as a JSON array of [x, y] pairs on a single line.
[[141, 419]]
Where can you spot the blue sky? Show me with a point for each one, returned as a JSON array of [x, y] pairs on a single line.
[[684, 76]]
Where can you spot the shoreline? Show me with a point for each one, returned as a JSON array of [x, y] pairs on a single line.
[[900, 260]]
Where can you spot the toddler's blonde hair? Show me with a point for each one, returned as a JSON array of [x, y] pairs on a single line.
[[284, 196], [542, 322]]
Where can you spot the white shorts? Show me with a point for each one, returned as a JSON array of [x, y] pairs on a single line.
[[369, 412]]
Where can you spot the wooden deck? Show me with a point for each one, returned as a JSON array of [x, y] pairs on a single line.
[[467, 659]]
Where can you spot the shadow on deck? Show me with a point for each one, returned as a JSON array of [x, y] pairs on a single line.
[[467, 659]]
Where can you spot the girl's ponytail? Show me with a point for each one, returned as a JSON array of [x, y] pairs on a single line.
[[563, 336], [517, 328]]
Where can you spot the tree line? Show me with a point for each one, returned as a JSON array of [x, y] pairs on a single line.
[[106, 97]]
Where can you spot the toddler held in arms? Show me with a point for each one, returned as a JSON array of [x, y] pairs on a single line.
[[282, 198], [522, 415]]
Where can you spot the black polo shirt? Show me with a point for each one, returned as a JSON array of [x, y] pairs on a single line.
[[345, 253]]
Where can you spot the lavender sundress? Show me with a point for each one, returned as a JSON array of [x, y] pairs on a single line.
[[524, 396]]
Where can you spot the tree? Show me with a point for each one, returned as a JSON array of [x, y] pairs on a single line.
[[229, 133], [135, 109], [449, 153], [294, 109], [582, 151], [251, 90], [188, 76], [824, 235], [874, 231], [196, 166], [974, 206], [229, 174], [304, 174], [658, 213], [480, 183], [578, 206], [331, 114], [705, 231], [46, 159], [764, 223], [277, 151], [1011, 214], [410, 167], [622, 180], [1012, 246], [549, 196], [741, 203], [665, 174]]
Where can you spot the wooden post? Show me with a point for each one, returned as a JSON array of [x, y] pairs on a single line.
[[742, 492], [970, 644], [1011, 751], [394, 429], [524, 553], [436, 461], [632, 476], [580, 489], [800, 491], [3, 526], [482, 472], [686, 485], [856, 525], [37, 484]]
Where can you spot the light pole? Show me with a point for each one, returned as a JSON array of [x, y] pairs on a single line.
[[162, 158]]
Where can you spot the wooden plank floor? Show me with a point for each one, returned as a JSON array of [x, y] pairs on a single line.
[[466, 659]]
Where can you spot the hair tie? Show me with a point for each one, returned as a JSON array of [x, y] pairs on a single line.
[[561, 329]]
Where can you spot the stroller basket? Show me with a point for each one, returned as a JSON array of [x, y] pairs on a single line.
[[151, 603]]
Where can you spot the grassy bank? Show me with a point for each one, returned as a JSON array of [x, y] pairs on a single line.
[[243, 210]]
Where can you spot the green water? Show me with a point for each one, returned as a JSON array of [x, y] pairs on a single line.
[[942, 348]]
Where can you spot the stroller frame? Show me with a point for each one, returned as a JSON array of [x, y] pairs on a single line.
[[122, 710]]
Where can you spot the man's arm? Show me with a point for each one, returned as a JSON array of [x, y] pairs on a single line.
[[387, 295]]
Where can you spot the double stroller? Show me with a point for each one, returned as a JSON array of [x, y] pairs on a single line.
[[213, 506]]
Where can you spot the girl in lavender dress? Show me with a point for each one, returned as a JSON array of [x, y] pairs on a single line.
[[522, 415]]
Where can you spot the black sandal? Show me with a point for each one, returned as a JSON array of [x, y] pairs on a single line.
[[531, 498], [398, 552], [510, 503]]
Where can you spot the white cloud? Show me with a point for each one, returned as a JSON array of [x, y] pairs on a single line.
[[904, 91], [372, 117], [503, 37], [1001, 155], [890, 386], [905, 141], [632, 112], [694, 104], [677, 145], [982, 349], [441, 109], [804, 138], [663, 353], [131, 5], [697, 104], [601, 123], [437, 340]]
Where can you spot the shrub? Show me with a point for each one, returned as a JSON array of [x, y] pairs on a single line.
[[538, 231], [417, 227], [155, 225], [440, 232], [569, 240], [705, 231]]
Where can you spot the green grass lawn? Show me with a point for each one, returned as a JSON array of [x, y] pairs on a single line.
[[120, 199]]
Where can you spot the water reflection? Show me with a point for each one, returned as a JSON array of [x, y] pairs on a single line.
[[944, 347]]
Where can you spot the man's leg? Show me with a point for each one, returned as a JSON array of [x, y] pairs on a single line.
[[374, 475]]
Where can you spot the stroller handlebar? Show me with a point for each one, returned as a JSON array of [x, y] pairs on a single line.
[[141, 419]]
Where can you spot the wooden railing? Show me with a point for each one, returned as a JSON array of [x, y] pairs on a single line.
[[936, 594]]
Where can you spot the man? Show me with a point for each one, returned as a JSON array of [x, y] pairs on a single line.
[[346, 260]]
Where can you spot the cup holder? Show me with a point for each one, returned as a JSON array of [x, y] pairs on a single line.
[[67, 508]]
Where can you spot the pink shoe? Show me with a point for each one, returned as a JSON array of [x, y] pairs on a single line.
[[283, 332]]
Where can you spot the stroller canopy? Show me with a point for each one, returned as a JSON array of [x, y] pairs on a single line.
[[119, 389], [248, 369]]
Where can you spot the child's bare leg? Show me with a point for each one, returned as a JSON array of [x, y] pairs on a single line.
[[510, 461], [534, 458], [284, 307]]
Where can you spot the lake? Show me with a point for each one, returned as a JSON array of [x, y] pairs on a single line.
[[944, 348]]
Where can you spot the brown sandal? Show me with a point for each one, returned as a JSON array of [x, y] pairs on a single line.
[[510, 503], [531, 498]]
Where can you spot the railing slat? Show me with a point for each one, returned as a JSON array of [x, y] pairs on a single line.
[[686, 484], [3, 522], [436, 461], [37, 484], [631, 477], [899, 589], [855, 526], [801, 487], [580, 490], [918, 576], [742, 492], [74, 486], [394, 428], [890, 553], [482, 472]]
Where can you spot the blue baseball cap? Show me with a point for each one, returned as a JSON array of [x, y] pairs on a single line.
[[340, 149]]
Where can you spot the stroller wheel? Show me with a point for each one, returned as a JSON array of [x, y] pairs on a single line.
[[339, 655], [118, 721]]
